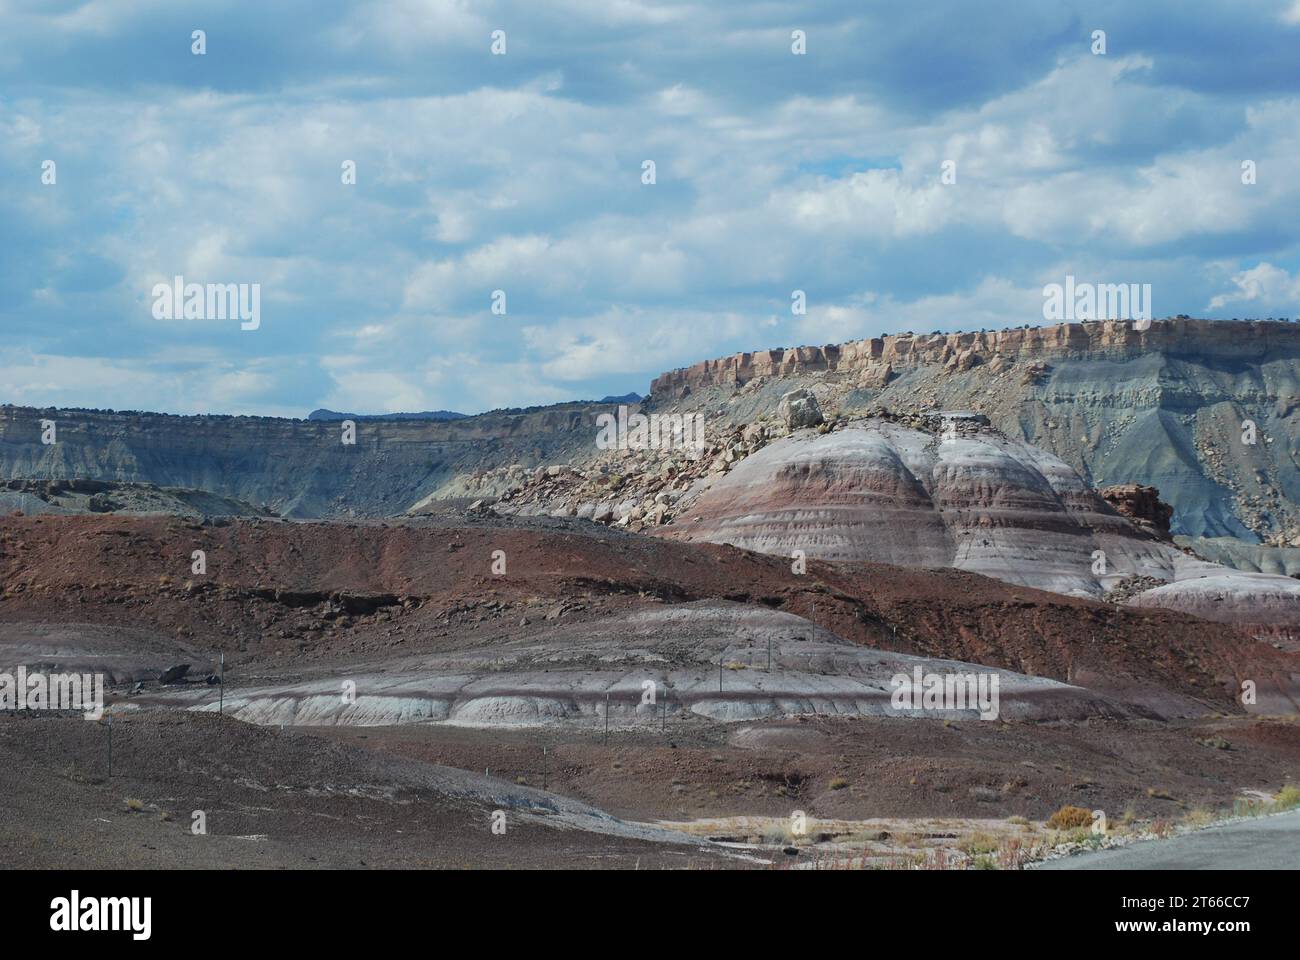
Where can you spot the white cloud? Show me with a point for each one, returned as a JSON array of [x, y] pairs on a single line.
[[1263, 286], [522, 174], [628, 340]]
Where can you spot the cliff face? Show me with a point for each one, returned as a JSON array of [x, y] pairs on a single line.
[[1207, 412], [298, 468], [1242, 341]]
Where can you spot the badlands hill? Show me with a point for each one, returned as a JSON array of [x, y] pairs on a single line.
[[415, 614], [918, 492], [890, 493], [1162, 407]]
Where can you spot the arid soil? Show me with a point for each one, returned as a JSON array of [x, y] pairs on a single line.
[[302, 593], [860, 768], [272, 798], [424, 796], [1141, 717]]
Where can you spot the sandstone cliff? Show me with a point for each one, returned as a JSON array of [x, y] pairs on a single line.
[[1246, 341]]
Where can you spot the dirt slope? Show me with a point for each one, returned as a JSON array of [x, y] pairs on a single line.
[[310, 593]]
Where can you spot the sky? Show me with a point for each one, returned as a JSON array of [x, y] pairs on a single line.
[[524, 172]]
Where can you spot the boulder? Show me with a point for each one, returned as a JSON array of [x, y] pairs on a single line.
[[799, 409]]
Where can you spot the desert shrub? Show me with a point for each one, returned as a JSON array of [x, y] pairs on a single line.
[[1287, 797], [1070, 818]]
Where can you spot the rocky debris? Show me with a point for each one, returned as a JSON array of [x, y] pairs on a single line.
[[633, 489], [940, 423], [82, 495], [638, 489], [1256, 501], [1142, 505], [1128, 588], [799, 410], [174, 674], [1035, 373]]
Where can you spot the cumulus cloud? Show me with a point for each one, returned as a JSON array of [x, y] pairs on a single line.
[[1262, 287], [522, 173]]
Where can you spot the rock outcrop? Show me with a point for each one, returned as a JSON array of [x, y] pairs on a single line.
[[1265, 603], [548, 679], [1142, 505], [1207, 412], [297, 468], [104, 496]]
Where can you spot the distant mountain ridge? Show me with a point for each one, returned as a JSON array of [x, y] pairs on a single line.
[[436, 415], [626, 398], [444, 415]]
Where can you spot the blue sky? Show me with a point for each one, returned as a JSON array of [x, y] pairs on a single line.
[[522, 173]]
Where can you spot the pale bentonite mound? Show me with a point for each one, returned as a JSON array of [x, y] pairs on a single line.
[[710, 659], [884, 492], [1264, 601]]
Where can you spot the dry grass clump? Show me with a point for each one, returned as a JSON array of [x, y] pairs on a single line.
[[1070, 818]]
